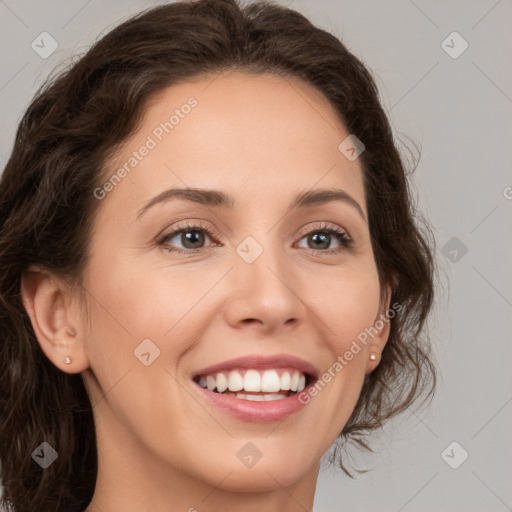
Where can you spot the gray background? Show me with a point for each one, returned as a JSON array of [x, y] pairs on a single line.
[[459, 111]]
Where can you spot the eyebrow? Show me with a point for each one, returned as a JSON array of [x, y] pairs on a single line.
[[217, 198]]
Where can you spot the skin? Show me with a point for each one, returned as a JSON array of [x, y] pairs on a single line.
[[261, 139]]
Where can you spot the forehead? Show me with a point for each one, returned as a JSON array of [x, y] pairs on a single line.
[[258, 135]]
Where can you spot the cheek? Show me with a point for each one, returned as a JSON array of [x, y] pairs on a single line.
[[349, 306], [132, 304], [348, 302], [144, 300]]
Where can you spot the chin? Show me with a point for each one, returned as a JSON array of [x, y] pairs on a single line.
[[267, 474], [263, 480]]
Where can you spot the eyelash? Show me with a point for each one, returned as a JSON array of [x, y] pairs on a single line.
[[340, 234]]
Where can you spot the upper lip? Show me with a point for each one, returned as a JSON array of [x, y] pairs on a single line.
[[261, 362]]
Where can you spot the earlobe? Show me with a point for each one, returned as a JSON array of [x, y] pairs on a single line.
[[383, 325], [49, 306]]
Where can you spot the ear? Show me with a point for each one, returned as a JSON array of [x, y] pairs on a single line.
[[380, 330], [55, 318]]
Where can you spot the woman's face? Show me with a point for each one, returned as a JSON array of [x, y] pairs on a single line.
[[252, 276]]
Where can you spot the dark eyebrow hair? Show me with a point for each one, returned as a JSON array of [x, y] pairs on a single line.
[[221, 199]]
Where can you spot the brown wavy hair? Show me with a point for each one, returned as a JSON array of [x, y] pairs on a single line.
[[71, 129]]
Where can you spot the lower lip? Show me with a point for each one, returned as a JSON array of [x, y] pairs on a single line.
[[247, 410]]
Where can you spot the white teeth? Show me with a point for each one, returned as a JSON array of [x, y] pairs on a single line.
[[267, 398], [295, 381], [260, 398], [270, 381], [256, 381], [302, 383], [274, 396], [222, 383], [252, 398], [252, 381], [285, 381], [211, 383], [235, 382]]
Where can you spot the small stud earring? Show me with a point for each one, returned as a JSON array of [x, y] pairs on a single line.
[[373, 357], [67, 360]]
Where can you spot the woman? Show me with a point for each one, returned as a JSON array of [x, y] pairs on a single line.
[[211, 269]]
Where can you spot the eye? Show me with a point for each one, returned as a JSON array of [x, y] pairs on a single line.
[[321, 237], [192, 237]]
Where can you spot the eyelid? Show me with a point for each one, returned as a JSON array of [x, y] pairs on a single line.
[[195, 223], [189, 224], [319, 225]]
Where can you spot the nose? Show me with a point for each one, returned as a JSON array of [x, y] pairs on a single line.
[[264, 290]]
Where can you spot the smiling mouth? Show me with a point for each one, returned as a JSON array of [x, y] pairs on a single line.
[[256, 385]]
